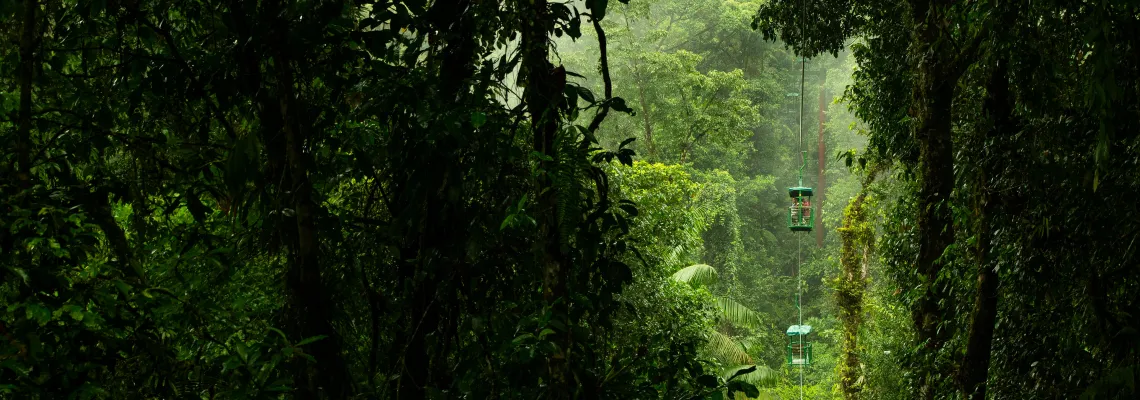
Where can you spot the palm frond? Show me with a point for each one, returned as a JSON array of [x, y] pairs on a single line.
[[737, 314], [705, 214], [674, 256], [696, 275], [726, 350], [748, 344], [761, 377]]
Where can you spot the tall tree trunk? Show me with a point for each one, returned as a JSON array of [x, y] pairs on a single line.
[[458, 18], [309, 301], [27, 73], [857, 236], [822, 156], [935, 225], [938, 69], [432, 247], [544, 84], [308, 306], [976, 362], [424, 274]]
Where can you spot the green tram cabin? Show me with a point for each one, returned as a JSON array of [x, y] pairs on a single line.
[[800, 215], [799, 345]]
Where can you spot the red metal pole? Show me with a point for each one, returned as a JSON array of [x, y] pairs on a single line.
[[822, 155]]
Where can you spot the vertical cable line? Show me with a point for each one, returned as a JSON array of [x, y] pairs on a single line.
[[803, 155], [799, 309]]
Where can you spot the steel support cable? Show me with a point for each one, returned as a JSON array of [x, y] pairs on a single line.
[[803, 156]]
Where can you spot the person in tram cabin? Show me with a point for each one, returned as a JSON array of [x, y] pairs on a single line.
[[796, 209], [805, 213]]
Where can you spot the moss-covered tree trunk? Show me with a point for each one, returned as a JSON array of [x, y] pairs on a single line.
[[857, 236]]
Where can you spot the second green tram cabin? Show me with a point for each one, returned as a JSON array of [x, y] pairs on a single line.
[[800, 215], [799, 345]]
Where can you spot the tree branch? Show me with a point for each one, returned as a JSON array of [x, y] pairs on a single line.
[[606, 82], [101, 214]]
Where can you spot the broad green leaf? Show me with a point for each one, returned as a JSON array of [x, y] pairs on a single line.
[[696, 275], [761, 376], [311, 340], [742, 387], [38, 313], [478, 119]]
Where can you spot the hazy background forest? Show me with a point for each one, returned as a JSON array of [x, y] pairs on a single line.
[[474, 199]]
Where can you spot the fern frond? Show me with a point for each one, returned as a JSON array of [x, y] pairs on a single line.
[[696, 275], [706, 209], [567, 176]]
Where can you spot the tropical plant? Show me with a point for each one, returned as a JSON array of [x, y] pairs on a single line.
[[729, 351]]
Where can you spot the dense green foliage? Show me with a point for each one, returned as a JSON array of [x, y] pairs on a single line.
[[330, 199]]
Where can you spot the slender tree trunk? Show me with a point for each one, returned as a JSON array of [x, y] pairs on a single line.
[[249, 61], [976, 362], [423, 312], [649, 146], [309, 306], [607, 83], [420, 275], [459, 61], [822, 183], [310, 302], [27, 73], [432, 246], [544, 86]]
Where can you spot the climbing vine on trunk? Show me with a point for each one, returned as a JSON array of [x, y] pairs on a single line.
[[857, 236]]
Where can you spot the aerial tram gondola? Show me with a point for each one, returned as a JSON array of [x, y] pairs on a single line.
[[799, 345], [801, 217]]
